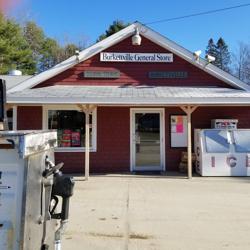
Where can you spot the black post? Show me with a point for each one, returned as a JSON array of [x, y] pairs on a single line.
[[3, 115]]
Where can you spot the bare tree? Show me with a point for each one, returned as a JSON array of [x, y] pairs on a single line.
[[241, 64]]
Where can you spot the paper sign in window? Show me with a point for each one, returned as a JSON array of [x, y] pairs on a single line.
[[178, 130]]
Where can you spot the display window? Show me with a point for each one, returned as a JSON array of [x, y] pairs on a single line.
[[70, 126]]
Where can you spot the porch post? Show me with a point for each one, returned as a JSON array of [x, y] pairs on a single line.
[[189, 110], [189, 143], [87, 109], [87, 143]]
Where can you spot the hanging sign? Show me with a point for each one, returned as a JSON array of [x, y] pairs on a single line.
[[101, 74], [167, 74], [136, 57]]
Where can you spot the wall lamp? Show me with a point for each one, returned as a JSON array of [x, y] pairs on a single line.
[[210, 58], [197, 54], [136, 38]]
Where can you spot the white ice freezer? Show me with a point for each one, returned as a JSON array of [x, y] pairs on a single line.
[[222, 152]]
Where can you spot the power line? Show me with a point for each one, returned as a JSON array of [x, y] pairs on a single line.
[[198, 14]]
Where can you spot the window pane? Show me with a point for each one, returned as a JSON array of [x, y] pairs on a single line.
[[242, 140], [216, 141], [70, 125], [10, 118]]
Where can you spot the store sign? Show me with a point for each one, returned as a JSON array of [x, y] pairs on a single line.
[[167, 74], [101, 74], [136, 57]]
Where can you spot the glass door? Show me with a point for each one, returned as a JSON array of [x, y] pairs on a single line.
[[147, 141]]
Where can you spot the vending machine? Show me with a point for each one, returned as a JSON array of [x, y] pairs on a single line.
[[224, 123], [222, 152]]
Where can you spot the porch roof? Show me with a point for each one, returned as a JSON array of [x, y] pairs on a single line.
[[130, 95]]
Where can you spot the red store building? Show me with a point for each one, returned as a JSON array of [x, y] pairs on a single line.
[[139, 103]]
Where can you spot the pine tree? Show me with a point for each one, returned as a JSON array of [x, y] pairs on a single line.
[[14, 50], [211, 48], [220, 52], [113, 28], [223, 55]]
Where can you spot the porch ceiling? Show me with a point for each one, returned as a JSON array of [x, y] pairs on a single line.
[[130, 95]]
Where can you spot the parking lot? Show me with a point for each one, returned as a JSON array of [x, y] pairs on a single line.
[[159, 212]]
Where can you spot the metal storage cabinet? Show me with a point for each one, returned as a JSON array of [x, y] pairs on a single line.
[[22, 191]]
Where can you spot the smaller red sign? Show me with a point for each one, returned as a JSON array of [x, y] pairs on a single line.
[[76, 139]]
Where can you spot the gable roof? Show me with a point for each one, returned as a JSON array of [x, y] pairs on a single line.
[[121, 35]]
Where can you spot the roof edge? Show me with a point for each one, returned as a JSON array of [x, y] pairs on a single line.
[[73, 60], [188, 56], [121, 35], [199, 101]]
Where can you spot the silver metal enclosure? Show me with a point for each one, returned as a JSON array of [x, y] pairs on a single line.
[[23, 202]]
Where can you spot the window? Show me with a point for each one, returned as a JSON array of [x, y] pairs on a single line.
[[217, 141], [70, 126], [242, 140], [10, 118]]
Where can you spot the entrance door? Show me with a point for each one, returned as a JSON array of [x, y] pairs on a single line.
[[147, 140]]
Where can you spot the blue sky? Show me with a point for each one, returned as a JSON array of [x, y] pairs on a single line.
[[85, 20]]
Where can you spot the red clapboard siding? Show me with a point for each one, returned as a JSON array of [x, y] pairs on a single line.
[[113, 148], [135, 73], [113, 135], [29, 117], [113, 144]]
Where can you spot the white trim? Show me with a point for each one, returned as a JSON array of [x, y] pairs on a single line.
[[121, 35], [160, 105], [70, 62], [188, 56], [135, 101], [161, 112], [93, 148], [14, 118], [76, 149]]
